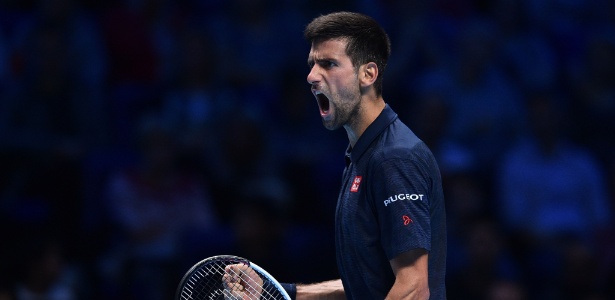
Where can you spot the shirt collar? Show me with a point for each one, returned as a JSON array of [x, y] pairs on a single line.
[[386, 117]]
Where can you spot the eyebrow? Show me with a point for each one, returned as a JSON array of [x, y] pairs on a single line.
[[311, 61]]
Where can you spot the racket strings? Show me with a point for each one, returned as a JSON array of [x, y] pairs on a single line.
[[238, 287], [207, 283], [265, 294], [202, 284]]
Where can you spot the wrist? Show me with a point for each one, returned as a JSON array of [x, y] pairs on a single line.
[[291, 290]]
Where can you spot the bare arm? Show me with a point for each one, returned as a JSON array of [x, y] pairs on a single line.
[[411, 281], [332, 289]]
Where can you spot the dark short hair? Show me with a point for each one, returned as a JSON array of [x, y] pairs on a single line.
[[366, 39]]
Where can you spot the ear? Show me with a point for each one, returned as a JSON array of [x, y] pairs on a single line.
[[368, 73]]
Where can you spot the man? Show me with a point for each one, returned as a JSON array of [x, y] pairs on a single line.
[[390, 222]]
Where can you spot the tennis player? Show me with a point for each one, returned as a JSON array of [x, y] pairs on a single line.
[[390, 230]]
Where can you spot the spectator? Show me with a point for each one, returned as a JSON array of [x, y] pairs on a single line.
[[484, 103], [41, 267], [549, 192], [526, 54], [153, 206], [486, 260], [594, 90]]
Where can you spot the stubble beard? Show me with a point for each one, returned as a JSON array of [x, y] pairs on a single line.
[[345, 109]]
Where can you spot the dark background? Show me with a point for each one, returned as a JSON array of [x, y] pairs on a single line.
[[138, 137]]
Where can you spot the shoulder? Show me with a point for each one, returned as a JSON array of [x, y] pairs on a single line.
[[401, 162], [399, 143]]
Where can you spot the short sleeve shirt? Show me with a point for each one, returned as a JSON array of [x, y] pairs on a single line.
[[390, 202]]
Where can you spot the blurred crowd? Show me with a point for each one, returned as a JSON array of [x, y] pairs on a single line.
[[138, 137]]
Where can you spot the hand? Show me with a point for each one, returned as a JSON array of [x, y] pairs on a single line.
[[241, 282]]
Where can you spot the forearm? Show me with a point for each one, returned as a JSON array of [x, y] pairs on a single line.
[[409, 292], [332, 289]]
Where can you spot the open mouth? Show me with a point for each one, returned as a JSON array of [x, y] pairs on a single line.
[[323, 103]]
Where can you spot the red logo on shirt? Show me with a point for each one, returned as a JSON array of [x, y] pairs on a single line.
[[407, 220], [355, 184]]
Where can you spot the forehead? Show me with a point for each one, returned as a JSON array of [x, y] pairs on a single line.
[[329, 49]]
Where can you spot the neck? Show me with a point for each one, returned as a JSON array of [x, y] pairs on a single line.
[[368, 112]]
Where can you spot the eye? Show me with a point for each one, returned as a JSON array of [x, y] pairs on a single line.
[[327, 64]]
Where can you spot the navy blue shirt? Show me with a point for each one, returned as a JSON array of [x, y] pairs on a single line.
[[391, 201]]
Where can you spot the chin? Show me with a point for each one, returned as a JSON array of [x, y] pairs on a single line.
[[330, 125]]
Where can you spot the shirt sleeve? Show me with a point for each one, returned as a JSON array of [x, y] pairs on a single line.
[[401, 193]]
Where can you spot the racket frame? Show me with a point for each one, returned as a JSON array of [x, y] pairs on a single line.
[[239, 260]]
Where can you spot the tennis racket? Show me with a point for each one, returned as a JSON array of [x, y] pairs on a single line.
[[231, 278]]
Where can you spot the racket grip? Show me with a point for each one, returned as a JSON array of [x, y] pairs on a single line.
[[291, 289]]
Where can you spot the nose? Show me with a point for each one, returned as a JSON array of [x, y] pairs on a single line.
[[312, 77]]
